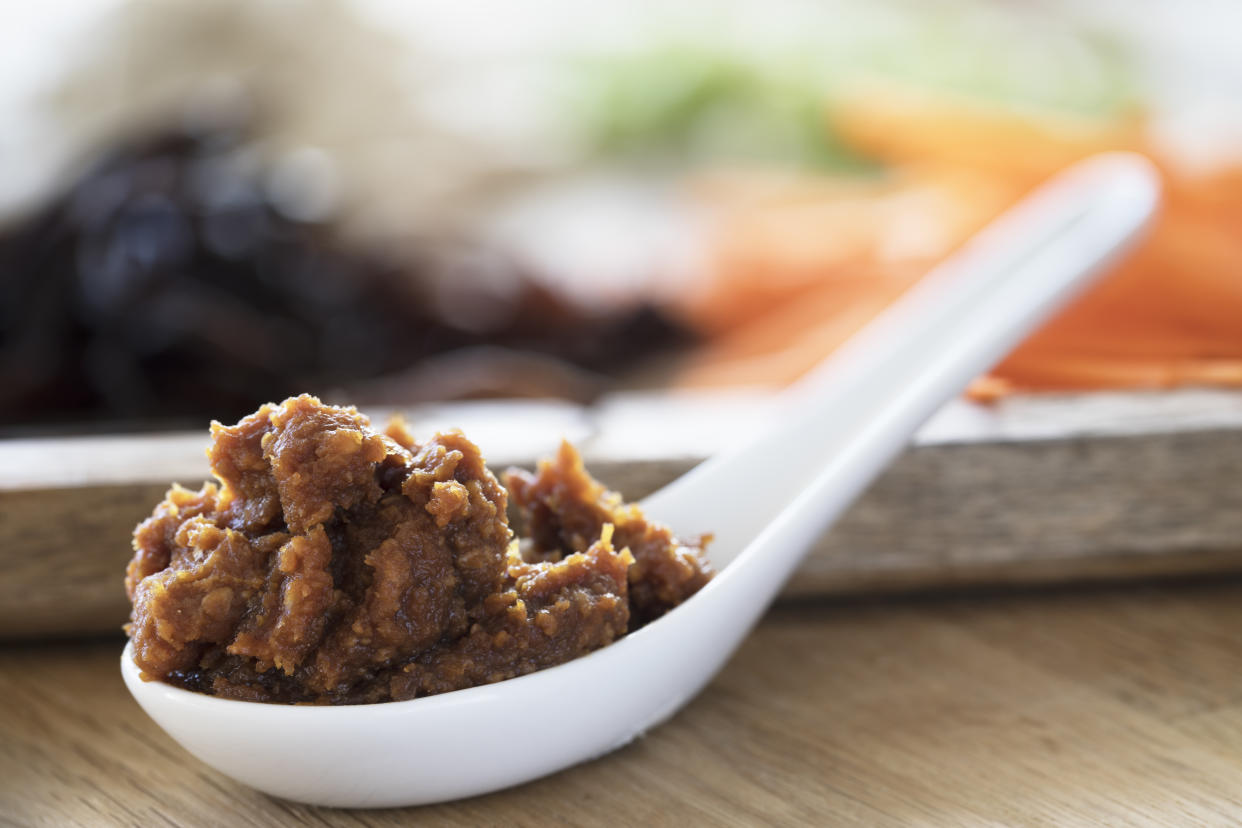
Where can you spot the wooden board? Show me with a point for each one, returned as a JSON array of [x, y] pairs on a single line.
[[1038, 490], [1074, 707]]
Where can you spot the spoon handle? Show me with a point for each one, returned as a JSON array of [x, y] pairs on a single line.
[[847, 418]]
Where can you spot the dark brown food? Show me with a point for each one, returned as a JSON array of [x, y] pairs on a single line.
[[335, 565], [165, 285], [563, 507]]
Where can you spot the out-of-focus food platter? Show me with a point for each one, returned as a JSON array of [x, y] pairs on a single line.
[[1031, 490], [659, 228]]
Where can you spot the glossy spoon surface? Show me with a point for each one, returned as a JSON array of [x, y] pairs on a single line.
[[766, 501]]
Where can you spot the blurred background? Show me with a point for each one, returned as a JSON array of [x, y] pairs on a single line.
[[204, 206]]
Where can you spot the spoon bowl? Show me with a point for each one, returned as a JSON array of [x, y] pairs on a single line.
[[766, 500], [462, 743]]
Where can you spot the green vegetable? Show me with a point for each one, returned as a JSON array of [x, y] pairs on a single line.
[[701, 93]]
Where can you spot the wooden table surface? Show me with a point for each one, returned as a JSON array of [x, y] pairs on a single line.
[[1119, 705]]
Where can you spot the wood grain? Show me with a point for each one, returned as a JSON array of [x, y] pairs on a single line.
[[1039, 491], [1100, 706]]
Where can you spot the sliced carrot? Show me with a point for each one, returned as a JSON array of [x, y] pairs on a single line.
[[798, 266], [900, 126]]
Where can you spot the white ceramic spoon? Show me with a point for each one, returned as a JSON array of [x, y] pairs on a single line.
[[766, 500]]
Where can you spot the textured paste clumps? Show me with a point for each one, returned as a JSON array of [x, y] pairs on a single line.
[[333, 564]]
